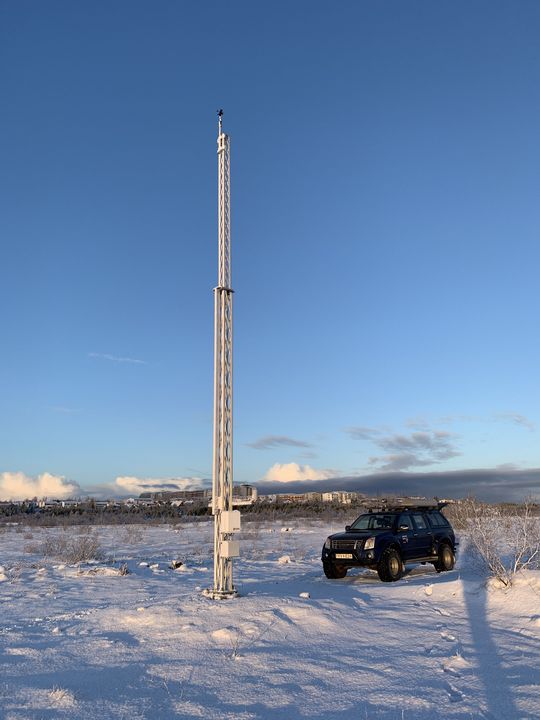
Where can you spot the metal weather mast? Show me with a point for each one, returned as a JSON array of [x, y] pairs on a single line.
[[226, 520]]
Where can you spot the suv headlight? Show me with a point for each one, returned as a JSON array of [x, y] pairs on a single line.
[[369, 544], [328, 543]]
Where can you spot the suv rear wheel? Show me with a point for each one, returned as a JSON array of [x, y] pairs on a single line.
[[446, 559], [334, 572], [390, 567]]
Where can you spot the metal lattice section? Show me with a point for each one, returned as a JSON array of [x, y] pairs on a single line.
[[222, 479], [224, 224]]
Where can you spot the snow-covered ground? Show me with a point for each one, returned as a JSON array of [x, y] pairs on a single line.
[[90, 642]]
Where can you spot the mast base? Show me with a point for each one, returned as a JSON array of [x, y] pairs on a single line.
[[220, 594]]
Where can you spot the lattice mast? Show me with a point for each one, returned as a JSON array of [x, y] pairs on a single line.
[[225, 520]]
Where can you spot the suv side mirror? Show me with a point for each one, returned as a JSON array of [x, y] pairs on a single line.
[[347, 528], [404, 528]]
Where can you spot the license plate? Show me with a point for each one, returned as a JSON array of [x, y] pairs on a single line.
[[343, 556]]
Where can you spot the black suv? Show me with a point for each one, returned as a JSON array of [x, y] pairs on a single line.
[[388, 538]]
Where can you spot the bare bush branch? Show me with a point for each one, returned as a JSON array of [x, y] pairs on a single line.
[[68, 548], [504, 541]]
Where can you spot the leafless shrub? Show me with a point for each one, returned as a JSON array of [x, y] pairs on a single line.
[[68, 548], [503, 542], [524, 539], [15, 573], [132, 534], [60, 697], [300, 552], [250, 536], [235, 645]]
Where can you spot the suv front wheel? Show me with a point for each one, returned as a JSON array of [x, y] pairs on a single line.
[[334, 572], [390, 567]]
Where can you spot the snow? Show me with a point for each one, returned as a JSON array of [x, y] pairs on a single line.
[[86, 641]]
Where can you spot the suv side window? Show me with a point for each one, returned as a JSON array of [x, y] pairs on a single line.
[[437, 519], [419, 521], [405, 519]]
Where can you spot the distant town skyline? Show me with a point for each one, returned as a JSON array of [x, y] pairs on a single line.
[[385, 225]]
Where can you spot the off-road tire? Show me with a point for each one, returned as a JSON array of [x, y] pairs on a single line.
[[390, 566], [446, 560], [334, 572]]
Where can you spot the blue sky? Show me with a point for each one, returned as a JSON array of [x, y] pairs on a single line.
[[385, 226]]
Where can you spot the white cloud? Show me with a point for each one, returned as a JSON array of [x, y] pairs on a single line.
[[517, 419], [417, 449], [293, 472], [117, 359], [129, 485], [271, 441], [18, 486]]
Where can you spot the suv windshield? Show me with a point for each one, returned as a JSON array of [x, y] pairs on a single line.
[[373, 521]]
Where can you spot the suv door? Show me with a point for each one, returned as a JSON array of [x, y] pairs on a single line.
[[423, 534], [440, 527], [406, 538]]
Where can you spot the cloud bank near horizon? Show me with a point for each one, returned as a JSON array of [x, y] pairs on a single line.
[[501, 484], [130, 485], [18, 486]]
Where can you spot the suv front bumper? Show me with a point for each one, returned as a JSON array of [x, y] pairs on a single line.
[[362, 558]]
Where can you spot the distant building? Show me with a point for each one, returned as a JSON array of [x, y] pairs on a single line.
[[340, 496], [289, 498], [242, 495]]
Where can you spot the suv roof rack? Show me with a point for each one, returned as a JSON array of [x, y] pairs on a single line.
[[404, 504]]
